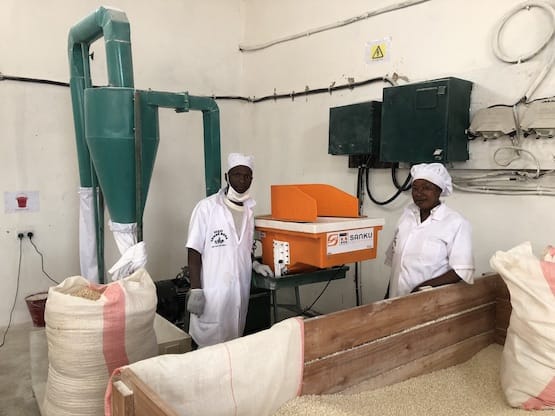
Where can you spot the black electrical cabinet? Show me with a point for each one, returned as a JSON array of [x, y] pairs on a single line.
[[426, 121], [355, 129]]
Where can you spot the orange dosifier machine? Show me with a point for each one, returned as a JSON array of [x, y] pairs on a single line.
[[315, 226]]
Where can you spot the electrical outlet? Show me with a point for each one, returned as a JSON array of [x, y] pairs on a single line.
[[26, 233]]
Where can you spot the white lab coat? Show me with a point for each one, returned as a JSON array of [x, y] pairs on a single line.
[[226, 269], [422, 251]]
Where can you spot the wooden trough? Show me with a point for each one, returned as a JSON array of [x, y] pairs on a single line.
[[380, 343]]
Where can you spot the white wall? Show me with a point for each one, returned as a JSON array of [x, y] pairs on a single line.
[[431, 40], [177, 46], [186, 45]]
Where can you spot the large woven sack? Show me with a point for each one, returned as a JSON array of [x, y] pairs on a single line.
[[88, 339], [528, 361], [248, 376]]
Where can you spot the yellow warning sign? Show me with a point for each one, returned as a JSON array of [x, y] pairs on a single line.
[[377, 51]]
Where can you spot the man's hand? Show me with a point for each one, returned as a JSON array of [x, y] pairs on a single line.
[[196, 301], [262, 269]]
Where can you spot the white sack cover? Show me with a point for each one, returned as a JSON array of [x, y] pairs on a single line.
[[528, 361], [249, 376], [134, 258], [125, 235], [88, 339], [87, 235], [133, 254]]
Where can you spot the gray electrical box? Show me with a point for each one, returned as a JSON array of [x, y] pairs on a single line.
[[426, 121], [355, 129]]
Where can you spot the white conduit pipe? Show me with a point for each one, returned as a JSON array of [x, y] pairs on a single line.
[[393, 7], [497, 191], [500, 54]]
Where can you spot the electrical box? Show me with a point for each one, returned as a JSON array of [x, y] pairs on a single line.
[[355, 129], [492, 123], [539, 119], [426, 121]]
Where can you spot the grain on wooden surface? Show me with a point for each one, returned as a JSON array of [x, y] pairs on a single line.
[[471, 388]]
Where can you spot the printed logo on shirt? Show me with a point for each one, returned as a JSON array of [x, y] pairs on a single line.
[[218, 239]]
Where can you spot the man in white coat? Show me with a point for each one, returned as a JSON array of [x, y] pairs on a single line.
[[219, 244]]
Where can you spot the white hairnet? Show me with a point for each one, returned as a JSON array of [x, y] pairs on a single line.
[[238, 159], [434, 173]]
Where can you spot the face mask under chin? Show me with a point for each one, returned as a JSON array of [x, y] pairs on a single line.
[[234, 196]]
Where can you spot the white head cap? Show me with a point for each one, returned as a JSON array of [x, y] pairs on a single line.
[[238, 159], [434, 173]]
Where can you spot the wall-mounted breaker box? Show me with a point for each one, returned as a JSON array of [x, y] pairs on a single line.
[[355, 129], [426, 121]]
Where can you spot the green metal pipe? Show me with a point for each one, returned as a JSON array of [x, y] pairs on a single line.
[[114, 26], [212, 151], [98, 207], [183, 102], [138, 163]]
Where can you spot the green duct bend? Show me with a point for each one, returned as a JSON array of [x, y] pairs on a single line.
[[183, 102], [114, 26], [212, 151]]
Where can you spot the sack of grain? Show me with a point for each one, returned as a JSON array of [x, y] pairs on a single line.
[[528, 363], [91, 330], [248, 376]]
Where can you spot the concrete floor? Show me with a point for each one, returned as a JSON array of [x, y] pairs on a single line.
[[16, 394]]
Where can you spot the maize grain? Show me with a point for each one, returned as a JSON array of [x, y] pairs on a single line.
[[471, 388]]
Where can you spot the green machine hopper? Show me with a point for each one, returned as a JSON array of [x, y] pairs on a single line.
[[117, 128]]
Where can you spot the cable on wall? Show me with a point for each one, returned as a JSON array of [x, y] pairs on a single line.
[[400, 189], [505, 183], [503, 56], [16, 293], [351, 84], [33, 80], [307, 91], [41, 259], [341, 23]]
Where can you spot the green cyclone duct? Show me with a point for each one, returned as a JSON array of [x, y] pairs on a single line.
[[110, 137], [116, 127], [105, 119], [113, 25]]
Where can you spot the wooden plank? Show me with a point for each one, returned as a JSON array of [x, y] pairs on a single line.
[[122, 399], [146, 401], [503, 311], [346, 368], [346, 329], [500, 336], [446, 357], [502, 290]]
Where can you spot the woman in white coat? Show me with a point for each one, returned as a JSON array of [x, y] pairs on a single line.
[[432, 245], [220, 262]]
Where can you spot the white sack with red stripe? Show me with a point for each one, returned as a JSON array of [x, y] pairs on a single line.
[[88, 339], [248, 376], [528, 361]]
